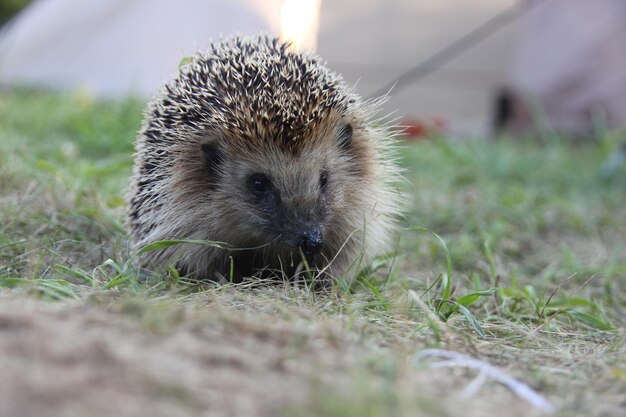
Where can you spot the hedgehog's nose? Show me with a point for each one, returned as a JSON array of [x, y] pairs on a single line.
[[311, 242]]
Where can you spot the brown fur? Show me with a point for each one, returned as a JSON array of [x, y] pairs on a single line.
[[260, 108]]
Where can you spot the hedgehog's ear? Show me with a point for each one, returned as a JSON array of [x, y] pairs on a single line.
[[345, 137], [213, 156]]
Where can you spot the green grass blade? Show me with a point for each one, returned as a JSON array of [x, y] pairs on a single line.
[[591, 321], [14, 282], [57, 289], [164, 244], [76, 274], [469, 299], [447, 280], [117, 281], [466, 313], [490, 260]]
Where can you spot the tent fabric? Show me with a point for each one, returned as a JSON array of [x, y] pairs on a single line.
[[569, 65], [113, 47], [116, 47]]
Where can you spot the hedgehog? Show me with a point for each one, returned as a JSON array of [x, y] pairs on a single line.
[[270, 159]]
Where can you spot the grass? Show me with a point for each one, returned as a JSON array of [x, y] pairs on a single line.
[[512, 253]]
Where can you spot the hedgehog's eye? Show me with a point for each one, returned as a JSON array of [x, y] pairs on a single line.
[[323, 180], [345, 137], [260, 184]]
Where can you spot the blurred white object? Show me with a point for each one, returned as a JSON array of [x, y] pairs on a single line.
[[300, 23], [569, 65], [119, 47]]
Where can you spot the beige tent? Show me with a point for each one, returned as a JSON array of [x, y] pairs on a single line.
[[116, 47], [568, 71], [564, 58]]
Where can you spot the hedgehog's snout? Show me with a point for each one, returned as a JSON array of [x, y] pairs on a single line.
[[311, 242]]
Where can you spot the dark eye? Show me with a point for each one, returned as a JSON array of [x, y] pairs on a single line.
[[345, 137], [323, 179], [260, 184]]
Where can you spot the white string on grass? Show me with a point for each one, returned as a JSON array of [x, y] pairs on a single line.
[[449, 359]]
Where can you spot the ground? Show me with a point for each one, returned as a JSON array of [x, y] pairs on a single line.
[[522, 271]]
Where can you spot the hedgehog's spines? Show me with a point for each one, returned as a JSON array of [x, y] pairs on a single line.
[[250, 105]]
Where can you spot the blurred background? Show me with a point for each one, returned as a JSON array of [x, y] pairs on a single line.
[[466, 68]]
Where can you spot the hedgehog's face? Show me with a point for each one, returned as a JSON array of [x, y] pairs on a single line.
[[284, 198], [295, 217], [258, 146]]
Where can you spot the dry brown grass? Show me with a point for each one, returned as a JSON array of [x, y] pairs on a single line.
[[534, 232]]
